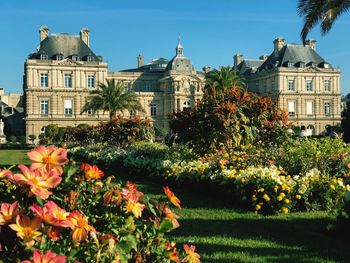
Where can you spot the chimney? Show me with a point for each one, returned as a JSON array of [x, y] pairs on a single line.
[[43, 32], [279, 43], [237, 59], [206, 69], [263, 57], [85, 36], [311, 43], [139, 61]]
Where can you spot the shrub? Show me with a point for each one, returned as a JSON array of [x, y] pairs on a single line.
[[59, 209]]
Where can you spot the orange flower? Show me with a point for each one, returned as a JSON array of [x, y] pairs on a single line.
[[48, 158], [91, 172], [8, 212], [53, 233], [192, 257], [114, 195], [131, 192], [52, 214], [80, 226], [173, 199], [27, 229], [135, 207], [171, 216], [49, 257], [4, 173], [39, 181], [173, 255]]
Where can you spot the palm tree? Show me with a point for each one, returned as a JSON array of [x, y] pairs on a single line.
[[224, 78], [112, 97], [320, 11]]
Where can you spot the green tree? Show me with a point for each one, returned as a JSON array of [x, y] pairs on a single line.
[[32, 138], [112, 97], [324, 12], [223, 79]]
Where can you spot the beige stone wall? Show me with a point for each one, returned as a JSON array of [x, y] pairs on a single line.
[[274, 83], [169, 92]]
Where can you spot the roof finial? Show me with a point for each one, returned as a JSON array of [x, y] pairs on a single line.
[[179, 47]]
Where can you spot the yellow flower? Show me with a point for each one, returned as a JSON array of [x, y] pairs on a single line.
[[266, 197], [286, 201], [27, 229], [284, 210], [257, 207], [242, 180], [279, 198], [254, 198], [298, 197], [332, 187], [225, 155], [261, 190]]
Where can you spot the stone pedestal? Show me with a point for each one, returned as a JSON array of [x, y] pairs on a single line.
[[2, 139]]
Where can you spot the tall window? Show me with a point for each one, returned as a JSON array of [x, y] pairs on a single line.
[[44, 107], [309, 108], [67, 80], [42, 130], [90, 112], [291, 108], [44, 80], [327, 85], [59, 57], [91, 81], [309, 85], [327, 108], [153, 109], [43, 57], [68, 107], [75, 58], [90, 58], [290, 84]]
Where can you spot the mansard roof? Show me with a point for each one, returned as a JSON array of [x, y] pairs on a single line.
[[249, 66], [294, 54], [180, 63], [155, 65], [66, 45]]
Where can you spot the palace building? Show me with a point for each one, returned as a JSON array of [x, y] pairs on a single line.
[[60, 75], [300, 79]]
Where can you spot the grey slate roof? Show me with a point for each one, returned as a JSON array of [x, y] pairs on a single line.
[[294, 54], [67, 45], [155, 65], [249, 66], [179, 63]]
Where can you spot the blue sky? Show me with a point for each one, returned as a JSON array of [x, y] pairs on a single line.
[[211, 31]]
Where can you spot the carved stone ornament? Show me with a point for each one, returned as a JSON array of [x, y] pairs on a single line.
[[66, 62]]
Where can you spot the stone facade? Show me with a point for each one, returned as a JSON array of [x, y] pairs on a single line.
[[59, 77], [302, 82]]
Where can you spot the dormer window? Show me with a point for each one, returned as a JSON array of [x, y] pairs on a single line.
[[290, 64], [75, 58], [90, 58], [301, 65], [59, 57], [43, 57], [325, 65]]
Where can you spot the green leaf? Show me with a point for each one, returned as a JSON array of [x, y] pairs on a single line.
[[347, 196], [69, 171], [39, 200], [166, 226], [130, 242]]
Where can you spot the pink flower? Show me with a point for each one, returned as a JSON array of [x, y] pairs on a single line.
[[48, 158], [4, 173], [52, 214], [39, 181], [8, 212], [49, 257]]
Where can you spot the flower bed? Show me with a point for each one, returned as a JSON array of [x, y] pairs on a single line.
[[252, 177], [56, 211]]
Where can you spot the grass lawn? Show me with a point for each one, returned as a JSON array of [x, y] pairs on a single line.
[[11, 157], [224, 234]]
